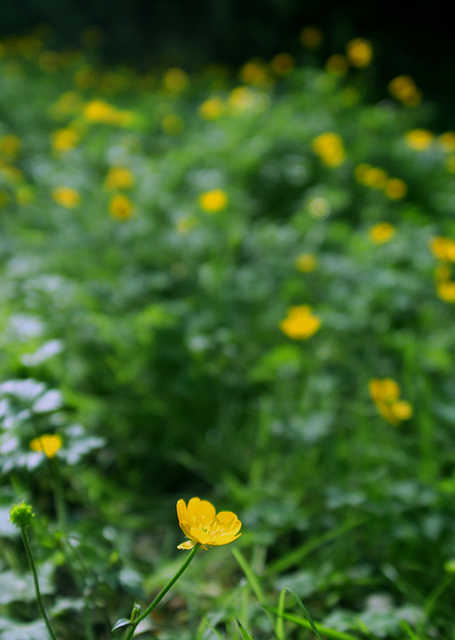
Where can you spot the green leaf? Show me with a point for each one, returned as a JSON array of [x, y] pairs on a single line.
[[123, 622]]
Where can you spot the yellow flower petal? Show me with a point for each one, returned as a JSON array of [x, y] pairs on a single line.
[[200, 523]]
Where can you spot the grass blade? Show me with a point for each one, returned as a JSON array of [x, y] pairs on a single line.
[[243, 631], [322, 631], [297, 555], [305, 611], [279, 627]]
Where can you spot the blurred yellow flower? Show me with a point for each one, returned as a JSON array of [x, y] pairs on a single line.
[[282, 64], [418, 139], [311, 37], [65, 139], [306, 262], [213, 201], [395, 189], [119, 178], [100, 112], [176, 80], [443, 248], [10, 146], [447, 141], [66, 197], [300, 323], [244, 99], [373, 177], [337, 64], [386, 395], [121, 207], [395, 412], [329, 147], [172, 124], [446, 290], [404, 89], [359, 52], [384, 390], [49, 444], [202, 525], [212, 108], [382, 232], [254, 72]]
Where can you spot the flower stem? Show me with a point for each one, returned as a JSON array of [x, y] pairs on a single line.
[[162, 593], [31, 562]]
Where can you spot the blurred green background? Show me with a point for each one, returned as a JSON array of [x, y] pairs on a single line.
[[416, 39]]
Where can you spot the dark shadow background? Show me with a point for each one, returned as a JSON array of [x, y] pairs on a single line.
[[413, 38]]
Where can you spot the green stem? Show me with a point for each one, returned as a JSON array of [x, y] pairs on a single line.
[[42, 611], [162, 593]]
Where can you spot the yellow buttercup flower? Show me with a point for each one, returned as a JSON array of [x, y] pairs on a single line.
[[373, 177], [300, 323], [384, 390], [121, 207], [447, 141], [242, 99], [176, 80], [100, 112], [10, 146], [282, 64], [255, 73], [213, 201], [404, 89], [395, 412], [419, 139], [446, 290], [202, 525], [382, 232], [329, 147], [65, 139], [443, 248], [306, 262], [395, 189], [337, 64], [359, 52], [311, 37], [66, 196], [212, 108], [119, 178], [386, 395], [49, 444]]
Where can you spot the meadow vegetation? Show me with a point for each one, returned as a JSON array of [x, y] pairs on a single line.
[[237, 286]]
